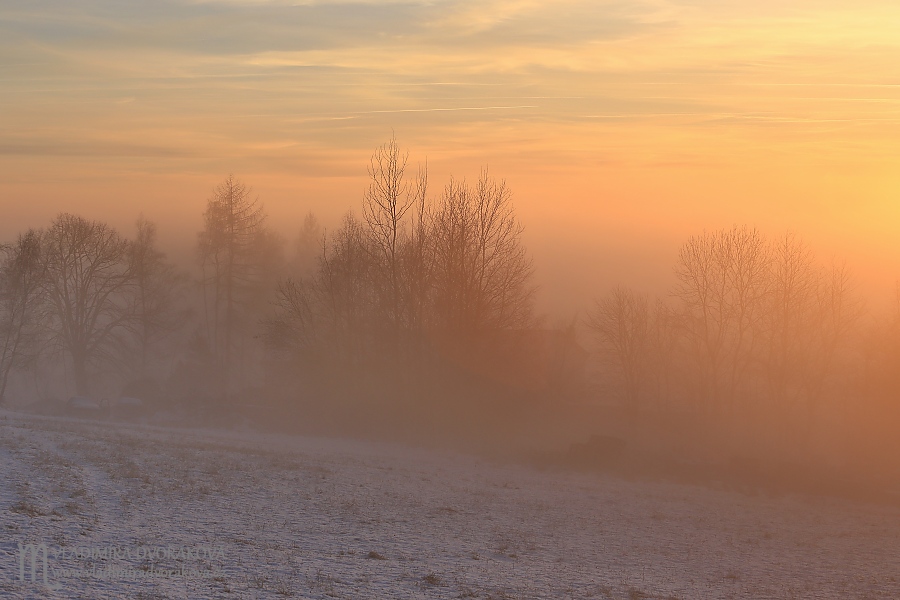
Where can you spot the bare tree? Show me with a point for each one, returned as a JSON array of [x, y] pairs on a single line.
[[722, 284], [418, 265], [836, 312], [229, 259], [22, 274], [663, 351], [482, 272], [328, 315], [701, 288], [408, 277], [789, 319], [620, 321], [307, 247], [88, 282], [388, 199], [346, 291], [157, 286], [293, 327]]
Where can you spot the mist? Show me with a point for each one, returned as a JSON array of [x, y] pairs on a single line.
[[420, 317], [449, 300]]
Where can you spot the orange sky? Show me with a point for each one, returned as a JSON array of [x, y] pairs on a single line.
[[621, 126]]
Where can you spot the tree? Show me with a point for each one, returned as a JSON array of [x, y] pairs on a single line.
[[664, 349], [836, 311], [329, 314], [722, 279], [620, 321], [789, 318], [408, 279], [294, 323], [88, 281], [398, 243], [157, 286], [228, 249], [418, 256], [482, 272], [307, 247], [22, 275], [346, 291], [385, 204]]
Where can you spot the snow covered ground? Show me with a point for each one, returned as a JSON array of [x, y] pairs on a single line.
[[315, 518]]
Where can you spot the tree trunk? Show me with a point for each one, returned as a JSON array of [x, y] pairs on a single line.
[[79, 366]]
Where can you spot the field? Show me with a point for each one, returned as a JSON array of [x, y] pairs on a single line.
[[246, 515]]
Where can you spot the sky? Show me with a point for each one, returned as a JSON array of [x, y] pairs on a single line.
[[622, 127]]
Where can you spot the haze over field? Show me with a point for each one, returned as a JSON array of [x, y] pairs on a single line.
[[639, 255], [321, 519]]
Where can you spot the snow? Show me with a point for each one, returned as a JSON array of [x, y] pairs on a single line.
[[130, 402], [83, 403], [328, 518]]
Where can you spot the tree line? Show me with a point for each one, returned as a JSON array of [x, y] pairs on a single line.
[[411, 278], [756, 335], [78, 294], [426, 299]]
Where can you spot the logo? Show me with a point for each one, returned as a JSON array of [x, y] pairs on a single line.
[[49, 565], [37, 553]]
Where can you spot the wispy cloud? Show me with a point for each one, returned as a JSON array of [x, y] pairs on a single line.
[[233, 73]]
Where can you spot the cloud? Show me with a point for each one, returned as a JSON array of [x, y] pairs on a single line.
[[86, 148], [265, 74], [246, 28]]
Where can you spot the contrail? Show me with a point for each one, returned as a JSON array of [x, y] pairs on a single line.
[[401, 110]]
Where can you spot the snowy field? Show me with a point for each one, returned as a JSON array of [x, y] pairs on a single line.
[[316, 518]]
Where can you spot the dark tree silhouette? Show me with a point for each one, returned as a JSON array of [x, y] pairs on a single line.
[[722, 283], [89, 279], [157, 287], [307, 247], [385, 204], [482, 272], [620, 321], [230, 262], [22, 275]]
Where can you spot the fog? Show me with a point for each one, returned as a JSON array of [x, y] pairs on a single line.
[[429, 314], [498, 299]]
